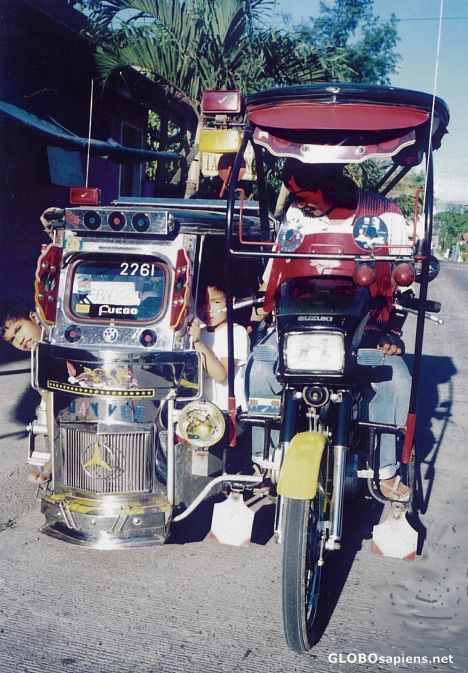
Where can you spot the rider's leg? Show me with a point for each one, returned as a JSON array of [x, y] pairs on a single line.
[[261, 388], [390, 405]]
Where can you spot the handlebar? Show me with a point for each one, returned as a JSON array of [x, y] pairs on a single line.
[[256, 300], [413, 303], [428, 316], [52, 218]]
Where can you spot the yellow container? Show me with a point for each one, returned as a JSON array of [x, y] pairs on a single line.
[[219, 141]]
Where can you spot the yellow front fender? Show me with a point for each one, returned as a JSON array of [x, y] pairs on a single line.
[[299, 472]]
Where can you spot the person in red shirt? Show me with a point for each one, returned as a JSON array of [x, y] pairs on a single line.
[[329, 213]]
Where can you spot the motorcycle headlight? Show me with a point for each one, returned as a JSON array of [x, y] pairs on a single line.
[[201, 424], [321, 352]]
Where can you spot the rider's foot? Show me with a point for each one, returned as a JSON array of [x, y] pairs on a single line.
[[40, 475], [394, 489]]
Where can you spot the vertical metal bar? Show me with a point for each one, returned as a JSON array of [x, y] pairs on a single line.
[[425, 251], [262, 193], [340, 448], [231, 202], [170, 451]]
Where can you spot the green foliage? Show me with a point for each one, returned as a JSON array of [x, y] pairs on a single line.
[[405, 192], [189, 46], [367, 42], [197, 45], [451, 224], [365, 175], [368, 174]]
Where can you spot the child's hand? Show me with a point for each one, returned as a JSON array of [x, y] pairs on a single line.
[[194, 330]]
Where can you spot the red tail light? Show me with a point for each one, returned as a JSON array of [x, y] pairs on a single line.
[[364, 275], [47, 281], [180, 290], [404, 274]]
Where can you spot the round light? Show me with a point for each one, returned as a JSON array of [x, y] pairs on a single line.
[[404, 274], [148, 338], [72, 334], [201, 424], [141, 222], [315, 396], [92, 220], [364, 275], [116, 221]]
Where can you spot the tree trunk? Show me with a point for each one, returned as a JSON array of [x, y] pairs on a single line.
[[193, 164]]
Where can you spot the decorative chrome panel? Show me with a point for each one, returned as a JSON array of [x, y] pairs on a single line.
[[107, 462]]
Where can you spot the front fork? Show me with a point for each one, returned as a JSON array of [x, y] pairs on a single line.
[[288, 429], [340, 447]]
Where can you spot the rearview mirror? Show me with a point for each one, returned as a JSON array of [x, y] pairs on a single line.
[[434, 268]]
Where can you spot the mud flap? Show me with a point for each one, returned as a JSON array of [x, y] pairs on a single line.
[[394, 537], [232, 521], [301, 465]]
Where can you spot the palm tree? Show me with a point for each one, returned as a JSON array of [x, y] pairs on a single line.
[[189, 46]]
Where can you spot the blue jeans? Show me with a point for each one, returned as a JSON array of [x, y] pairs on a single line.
[[262, 387], [389, 402]]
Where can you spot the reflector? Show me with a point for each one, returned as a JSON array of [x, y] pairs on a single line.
[[216, 102], [85, 196]]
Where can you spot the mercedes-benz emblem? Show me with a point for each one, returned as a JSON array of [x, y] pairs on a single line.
[[98, 461]]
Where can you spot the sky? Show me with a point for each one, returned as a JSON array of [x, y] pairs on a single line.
[[418, 29]]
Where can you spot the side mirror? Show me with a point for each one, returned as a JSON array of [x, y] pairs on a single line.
[[434, 268]]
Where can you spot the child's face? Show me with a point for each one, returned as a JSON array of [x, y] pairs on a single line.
[[214, 309], [22, 332]]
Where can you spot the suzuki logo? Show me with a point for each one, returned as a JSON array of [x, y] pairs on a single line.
[[315, 318]]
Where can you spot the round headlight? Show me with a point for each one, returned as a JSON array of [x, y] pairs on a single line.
[[201, 424]]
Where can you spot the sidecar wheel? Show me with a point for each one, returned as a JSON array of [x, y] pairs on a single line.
[[301, 572]]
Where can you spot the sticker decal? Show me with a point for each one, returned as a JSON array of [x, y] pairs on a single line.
[[102, 377], [110, 392], [370, 231], [110, 334]]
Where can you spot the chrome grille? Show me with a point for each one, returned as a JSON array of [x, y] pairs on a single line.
[[107, 462]]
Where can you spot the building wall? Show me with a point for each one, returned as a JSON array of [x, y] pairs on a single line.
[[47, 67]]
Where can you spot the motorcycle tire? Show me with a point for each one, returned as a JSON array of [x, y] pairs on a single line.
[[301, 572]]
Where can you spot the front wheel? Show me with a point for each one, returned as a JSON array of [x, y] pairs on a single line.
[[301, 571]]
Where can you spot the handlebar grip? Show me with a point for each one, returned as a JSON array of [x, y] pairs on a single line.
[[413, 303]]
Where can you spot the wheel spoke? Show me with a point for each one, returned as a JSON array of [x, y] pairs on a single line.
[[301, 571]]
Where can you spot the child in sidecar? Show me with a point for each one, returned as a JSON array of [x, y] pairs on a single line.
[[211, 341]]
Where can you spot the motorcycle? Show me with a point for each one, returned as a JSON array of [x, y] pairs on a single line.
[[135, 446]]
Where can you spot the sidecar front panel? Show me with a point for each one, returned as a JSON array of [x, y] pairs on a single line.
[[106, 522]]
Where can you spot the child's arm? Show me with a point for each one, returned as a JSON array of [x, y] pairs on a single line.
[[215, 368]]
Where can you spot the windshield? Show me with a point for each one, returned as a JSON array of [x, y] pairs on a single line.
[[321, 296], [118, 287]]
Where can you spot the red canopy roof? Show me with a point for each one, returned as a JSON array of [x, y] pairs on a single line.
[[354, 117]]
